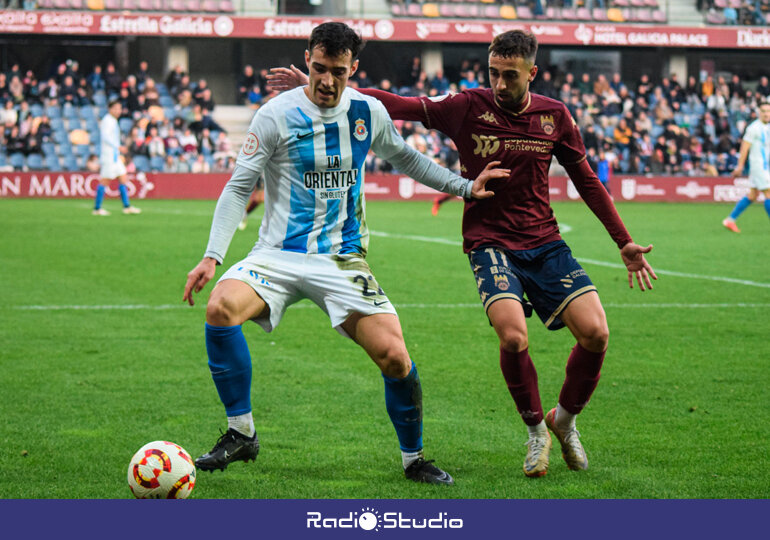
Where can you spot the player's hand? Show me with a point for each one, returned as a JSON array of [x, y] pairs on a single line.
[[281, 78], [479, 191], [198, 277], [633, 257]]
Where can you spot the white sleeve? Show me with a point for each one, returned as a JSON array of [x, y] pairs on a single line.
[[260, 141], [229, 211], [390, 146]]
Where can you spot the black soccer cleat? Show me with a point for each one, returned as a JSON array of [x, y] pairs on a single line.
[[424, 471], [231, 446]]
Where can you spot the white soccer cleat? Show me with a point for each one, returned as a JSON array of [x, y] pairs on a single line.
[[571, 449], [100, 212], [538, 453], [243, 223], [131, 210]]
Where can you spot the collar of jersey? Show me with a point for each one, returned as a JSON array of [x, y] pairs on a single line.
[[322, 111]]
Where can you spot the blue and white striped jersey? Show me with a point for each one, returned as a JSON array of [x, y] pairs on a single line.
[[313, 162], [109, 135], [758, 134]]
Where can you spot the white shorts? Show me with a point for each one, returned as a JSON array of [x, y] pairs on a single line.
[[339, 284], [760, 181], [112, 169]]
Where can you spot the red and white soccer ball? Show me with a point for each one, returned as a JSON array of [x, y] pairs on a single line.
[[161, 470]]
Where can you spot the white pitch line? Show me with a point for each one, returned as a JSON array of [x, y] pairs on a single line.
[[161, 307], [673, 273]]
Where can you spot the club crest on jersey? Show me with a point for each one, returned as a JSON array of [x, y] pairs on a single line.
[[360, 132], [251, 144], [546, 123], [488, 117], [501, 281]]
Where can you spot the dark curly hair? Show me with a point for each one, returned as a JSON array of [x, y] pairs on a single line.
[[335, 38], [515, 43]]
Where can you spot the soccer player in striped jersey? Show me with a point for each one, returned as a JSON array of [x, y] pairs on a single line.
[[310, 145], [111, 161], [517, 255], [756, 147]]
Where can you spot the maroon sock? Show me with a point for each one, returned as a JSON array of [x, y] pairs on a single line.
[[521, 378], [583, 369], [252, 205]]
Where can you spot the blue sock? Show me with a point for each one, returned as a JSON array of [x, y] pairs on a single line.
[[230, 366], [767, 207], [99, 197], [124, 195], [740, 206], [403, 400]]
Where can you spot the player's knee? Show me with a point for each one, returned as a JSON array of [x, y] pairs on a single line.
[[596, 339], [221, 312], [513, 339], [394, 361]]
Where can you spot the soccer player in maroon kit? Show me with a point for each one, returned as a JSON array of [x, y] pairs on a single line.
[[512, 240]]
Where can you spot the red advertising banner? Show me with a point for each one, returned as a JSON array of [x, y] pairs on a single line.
[[427, 30], [43, 184]]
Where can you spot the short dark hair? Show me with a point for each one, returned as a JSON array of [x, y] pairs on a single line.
[[515, 43], [112, 102], [335, 38]]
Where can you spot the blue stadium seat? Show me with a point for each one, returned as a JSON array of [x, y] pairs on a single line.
[[71, 163], [166, 101], [82, 150], [35, 162], [53, 111], [100, 100], [69, 111], [142, 163], [60, 136], [49, 148], [3, 159], [16, 160], [156, 163], [161, 88], [57, 124], [86, 112], [125, 125], [36, 109], [73, 123], [52, 162]]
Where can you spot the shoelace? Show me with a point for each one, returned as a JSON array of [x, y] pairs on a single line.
[[536, 444], [225, 436], [572, 438]]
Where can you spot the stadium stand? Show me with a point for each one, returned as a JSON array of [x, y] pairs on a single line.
[[733, 12], [636, 11], [166, 6]]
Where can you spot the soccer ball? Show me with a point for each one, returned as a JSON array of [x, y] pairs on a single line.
[[161, 470]]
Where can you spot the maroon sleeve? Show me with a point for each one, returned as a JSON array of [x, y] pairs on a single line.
[[441, 113], [598, 200], [398, 107]]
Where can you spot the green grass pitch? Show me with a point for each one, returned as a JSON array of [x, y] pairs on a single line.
[[98, 356]]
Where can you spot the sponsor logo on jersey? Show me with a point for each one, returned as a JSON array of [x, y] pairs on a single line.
[[546, 123], [360, 131], [501, 281], [488, 117], [486, 145], [331, 179], [251, 144]]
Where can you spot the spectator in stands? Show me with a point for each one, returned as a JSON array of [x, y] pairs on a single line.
[[246, 81], [188, 141], [763, 88], [601, 85], [585, 86], [200, 165], [142, 75], [151, 93], [174, 79], [9, 116], [137, 145], [439, 82], [68, 92], [154, 144], [362, 79], [205, 100], [112, 80], [200, 88], [254, 99], [95, 79]]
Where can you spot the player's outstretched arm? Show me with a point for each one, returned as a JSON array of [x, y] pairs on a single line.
[[198, 277], [280, 78], [633, 257]]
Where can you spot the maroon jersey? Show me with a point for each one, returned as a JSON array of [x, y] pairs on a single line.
[[519, 216]]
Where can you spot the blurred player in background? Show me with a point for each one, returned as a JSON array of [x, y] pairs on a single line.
[[512, 240], [111, 161], [256, 198], [756, 147], [311, 145]]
